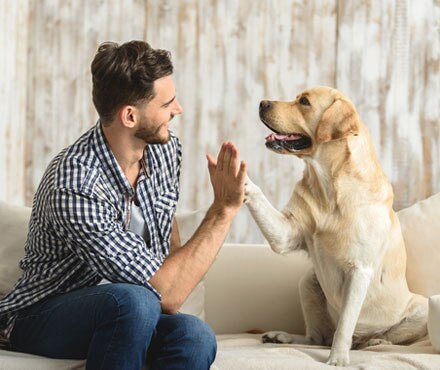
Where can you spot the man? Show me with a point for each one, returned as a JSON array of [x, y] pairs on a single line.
[[104, 213]]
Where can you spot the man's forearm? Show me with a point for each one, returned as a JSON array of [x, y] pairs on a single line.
[[186, 266], [175, 242]]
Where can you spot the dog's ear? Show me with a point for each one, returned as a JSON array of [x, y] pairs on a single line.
[[338, 121]]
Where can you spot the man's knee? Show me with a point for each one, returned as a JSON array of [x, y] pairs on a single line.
[[198, 334], [132, 304]]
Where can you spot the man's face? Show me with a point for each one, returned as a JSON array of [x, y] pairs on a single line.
[[156, 114]]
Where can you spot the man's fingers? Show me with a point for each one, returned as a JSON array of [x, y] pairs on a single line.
[[221, 156], [242, 173], [234, 163], [211, 164], [211, 159], [227, 158]]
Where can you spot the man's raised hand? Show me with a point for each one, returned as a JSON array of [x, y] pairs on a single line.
[[228, 176]]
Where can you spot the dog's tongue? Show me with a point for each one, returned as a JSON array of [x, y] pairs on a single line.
[[281, 137]]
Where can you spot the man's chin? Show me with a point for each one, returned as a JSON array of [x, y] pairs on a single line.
[[148, 139]]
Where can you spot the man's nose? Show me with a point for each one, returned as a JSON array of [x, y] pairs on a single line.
[[265, 105], [177, 108]]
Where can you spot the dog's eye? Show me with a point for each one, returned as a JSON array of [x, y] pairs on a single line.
[[304, 101]]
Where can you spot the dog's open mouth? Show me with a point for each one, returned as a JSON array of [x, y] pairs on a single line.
[[291, 142]]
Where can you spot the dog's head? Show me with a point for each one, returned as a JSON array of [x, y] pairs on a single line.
[[318, 115]]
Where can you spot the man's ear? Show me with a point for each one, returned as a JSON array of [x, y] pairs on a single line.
[[127, 115], [337, 122]]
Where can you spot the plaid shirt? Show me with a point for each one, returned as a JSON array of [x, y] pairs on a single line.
[[78, 231]]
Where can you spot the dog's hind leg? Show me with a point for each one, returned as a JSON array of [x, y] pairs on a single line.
[[319, 327], [413, 326]]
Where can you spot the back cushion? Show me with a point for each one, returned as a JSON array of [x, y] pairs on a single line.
[[14, 222], [13, 231], [251, 287], [421, 231], [420, 226], [187, 223]]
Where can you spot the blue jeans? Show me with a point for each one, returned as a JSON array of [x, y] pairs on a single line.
[[114, 326]]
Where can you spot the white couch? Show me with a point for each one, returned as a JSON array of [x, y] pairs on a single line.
[[251, 288]]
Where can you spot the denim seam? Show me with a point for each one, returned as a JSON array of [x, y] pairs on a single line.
[[114, 329]]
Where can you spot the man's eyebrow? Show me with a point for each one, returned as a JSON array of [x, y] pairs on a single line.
[[169, 102]]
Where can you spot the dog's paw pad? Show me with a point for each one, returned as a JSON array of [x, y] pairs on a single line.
[[275, 337], [268, 339]]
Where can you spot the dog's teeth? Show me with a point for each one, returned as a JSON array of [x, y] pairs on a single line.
[[270, 137]]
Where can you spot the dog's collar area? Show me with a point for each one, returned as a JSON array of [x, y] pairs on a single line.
[[290, 142]]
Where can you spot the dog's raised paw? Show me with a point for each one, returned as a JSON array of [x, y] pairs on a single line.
[[251, 190]]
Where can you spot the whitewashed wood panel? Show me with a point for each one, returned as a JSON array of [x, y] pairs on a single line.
[[13, 75], [389, 65], [228, 55], [63, 38]]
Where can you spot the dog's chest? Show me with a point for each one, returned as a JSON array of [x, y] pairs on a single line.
[[333, 251], [330, 273]]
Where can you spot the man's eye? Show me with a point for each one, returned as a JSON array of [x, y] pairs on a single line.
[[304, 101]]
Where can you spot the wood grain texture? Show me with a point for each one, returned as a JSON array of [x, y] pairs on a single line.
[[228, 55], [389, 65], [13, 76]]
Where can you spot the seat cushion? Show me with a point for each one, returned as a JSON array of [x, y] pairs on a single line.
[[20, 361], [247, 352], [13, 230]]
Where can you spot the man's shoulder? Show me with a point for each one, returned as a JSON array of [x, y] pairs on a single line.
[[77, 167]]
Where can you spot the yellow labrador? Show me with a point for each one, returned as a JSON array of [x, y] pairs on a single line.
[[341, 214]]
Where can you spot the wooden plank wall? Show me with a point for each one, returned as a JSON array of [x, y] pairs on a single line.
[[228, 55], [13, 77]]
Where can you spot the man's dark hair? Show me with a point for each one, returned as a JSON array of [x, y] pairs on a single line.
[[125, 74]]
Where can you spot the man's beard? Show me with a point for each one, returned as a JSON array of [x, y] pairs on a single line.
[[152, 136]]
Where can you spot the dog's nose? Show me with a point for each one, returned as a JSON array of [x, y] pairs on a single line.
[[264, 105]]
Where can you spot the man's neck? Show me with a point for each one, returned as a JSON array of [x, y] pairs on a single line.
[[127, 150]]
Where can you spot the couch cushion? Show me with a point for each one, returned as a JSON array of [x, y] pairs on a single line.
[[421, 231], [246, 352], [251, 287], [13, 230], [14, 222], [188, 222], [20, 361]]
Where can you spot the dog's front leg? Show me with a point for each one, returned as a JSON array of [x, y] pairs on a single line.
[[282, 233], [355, 289]]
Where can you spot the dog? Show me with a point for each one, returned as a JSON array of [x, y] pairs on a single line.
[[340, 213]]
